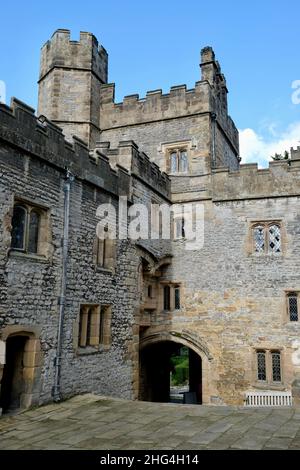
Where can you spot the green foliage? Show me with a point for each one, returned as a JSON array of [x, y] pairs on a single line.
[[279, 156], [180, 370]]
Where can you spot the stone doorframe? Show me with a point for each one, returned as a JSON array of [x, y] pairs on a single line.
[[32, 361], [190, 340]]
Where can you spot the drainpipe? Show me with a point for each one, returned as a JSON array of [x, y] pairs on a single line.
[[69, 178], [213, 147]]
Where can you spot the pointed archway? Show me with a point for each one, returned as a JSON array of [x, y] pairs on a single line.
[[167, 367], [155, 366]]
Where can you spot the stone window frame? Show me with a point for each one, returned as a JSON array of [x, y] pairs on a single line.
[[290, 293], [173, 286], [43, 243], [178, 153], [104, 253], [269, 383], [175, 147], [93, 328], [266, 224]]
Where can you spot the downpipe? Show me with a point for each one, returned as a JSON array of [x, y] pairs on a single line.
[[56, 391]]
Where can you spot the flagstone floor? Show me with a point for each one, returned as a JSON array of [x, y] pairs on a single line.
[[94, 422]]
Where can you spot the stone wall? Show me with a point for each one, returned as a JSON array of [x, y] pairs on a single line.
[[33, 158]]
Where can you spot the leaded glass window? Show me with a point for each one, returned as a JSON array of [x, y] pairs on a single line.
[[177, 298], [261, 365], [276, 367], [18, 227], [293, 306], [274, 239], [267, 238], [259, 239]]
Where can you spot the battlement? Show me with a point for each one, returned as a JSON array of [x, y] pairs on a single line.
[[280, 179], [180, 101], [41, 138], [295, 153], [138, 164], [86, 54]]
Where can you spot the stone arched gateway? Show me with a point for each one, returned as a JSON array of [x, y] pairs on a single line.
[[191, 341], [20, 367]]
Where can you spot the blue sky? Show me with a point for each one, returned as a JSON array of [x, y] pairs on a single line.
[[156, 44]]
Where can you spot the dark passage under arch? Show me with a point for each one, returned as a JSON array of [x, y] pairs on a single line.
[[12, 384], [157, 370]]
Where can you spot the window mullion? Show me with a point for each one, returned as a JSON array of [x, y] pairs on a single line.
[[266, 238]]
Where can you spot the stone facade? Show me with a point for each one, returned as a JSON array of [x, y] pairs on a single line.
[[233, 299]]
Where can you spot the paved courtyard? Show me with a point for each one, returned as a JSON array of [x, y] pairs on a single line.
[[93, 422]]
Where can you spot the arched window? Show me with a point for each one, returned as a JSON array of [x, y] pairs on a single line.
[[274, 238], [18, 227], [267, 238], [26, 226]]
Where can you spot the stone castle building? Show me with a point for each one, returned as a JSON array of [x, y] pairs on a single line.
[[82, 314]]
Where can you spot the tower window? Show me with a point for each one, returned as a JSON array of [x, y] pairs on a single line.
[[178, 161]]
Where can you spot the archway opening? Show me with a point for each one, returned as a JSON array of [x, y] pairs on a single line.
[[12, 384], [170, 372]]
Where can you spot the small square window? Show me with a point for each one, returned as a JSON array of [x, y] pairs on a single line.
[[94, 325]]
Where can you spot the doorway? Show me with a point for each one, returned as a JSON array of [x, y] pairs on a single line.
[[12, 384], [170, 372]]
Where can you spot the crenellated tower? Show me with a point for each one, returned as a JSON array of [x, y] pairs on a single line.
[[71, 73]]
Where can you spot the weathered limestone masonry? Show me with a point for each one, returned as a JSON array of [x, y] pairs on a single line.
[[71, 74], [184, 116], [34, 157], [234, 303]]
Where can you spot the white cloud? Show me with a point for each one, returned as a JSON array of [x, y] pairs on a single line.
[[255, 147]]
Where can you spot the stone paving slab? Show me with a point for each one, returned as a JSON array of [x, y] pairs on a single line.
[[95, 422]]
